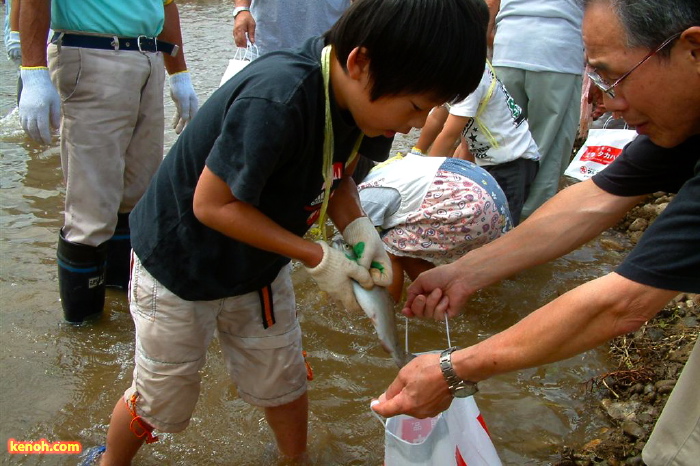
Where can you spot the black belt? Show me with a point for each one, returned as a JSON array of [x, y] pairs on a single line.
[[140, 43]]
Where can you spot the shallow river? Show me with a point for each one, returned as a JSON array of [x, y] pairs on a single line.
[[60, 383]]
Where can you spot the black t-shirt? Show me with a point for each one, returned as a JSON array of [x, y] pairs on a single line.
[[668, 254], [262, 133]]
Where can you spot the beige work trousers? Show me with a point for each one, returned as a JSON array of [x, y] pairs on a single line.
[[675, 440], [111, 134]]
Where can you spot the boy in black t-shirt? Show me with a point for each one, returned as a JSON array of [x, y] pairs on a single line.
[[227, 211]]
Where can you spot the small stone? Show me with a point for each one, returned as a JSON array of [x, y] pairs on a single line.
[[633, 429], [611, 244], [664, 386], [639, 224], [679, 298], [637, 388], [660, 208], [620, 410], [592, 445], [696, 300], [690, 321], [635, 236], [654, 333]]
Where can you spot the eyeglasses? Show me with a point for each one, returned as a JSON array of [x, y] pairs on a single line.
[[609, 88]]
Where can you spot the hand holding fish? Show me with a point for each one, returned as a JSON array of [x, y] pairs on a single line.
[[419, 390], [335, 274], [378, 305], [368, 246]]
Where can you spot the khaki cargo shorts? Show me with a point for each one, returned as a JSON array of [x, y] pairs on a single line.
[[260, 339]]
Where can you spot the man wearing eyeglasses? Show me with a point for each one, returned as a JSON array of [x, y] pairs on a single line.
[[645, 58]]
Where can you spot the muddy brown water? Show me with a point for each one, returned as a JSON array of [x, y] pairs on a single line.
[[60, 383]]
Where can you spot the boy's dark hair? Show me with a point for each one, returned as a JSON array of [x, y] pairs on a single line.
[[436, 47]]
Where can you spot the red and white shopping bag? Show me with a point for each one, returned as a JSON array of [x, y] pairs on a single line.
[[457, 436], [601, 147]]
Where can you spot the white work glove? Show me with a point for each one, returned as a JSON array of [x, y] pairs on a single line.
[[334, 275], [369, 248], [13, 47], [39, 104], [182, 93]]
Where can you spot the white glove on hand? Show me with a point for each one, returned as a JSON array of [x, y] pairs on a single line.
[[185, 99], [369, 248], [334, 275], [13, 47], [39, 104]]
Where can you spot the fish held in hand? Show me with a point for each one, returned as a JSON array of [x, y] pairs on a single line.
[[378, 305]]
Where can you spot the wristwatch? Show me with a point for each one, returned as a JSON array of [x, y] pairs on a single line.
[[239, 9], [458, 387]]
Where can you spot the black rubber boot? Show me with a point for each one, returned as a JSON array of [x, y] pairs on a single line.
[[81, 279], [119, 255]]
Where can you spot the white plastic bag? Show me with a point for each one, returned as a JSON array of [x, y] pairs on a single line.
[[601, 147], [457, 436], [240, 60]]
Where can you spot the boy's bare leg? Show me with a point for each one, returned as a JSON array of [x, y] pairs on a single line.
[[415, 267], [122, 443], [412, 266], [396, 287], [289, 422]]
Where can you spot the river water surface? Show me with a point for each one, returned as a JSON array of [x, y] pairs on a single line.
[[60, 382]]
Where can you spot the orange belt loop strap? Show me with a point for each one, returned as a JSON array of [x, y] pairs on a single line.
[[267, 306], [309, 371], [146, 430]]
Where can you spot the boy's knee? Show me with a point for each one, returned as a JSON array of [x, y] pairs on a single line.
[[166, 407]]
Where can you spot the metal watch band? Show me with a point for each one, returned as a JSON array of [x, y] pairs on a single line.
[[458, 387]]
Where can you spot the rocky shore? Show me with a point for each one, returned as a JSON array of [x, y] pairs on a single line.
[[649, 362]]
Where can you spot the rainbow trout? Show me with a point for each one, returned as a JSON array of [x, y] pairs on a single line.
[[379, 307]]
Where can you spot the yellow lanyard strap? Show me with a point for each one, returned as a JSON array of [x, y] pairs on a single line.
[[328, 142], [482, 105]]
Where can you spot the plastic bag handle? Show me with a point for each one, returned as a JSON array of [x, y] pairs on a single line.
[[381, 418], [250, 51], [447, 332]]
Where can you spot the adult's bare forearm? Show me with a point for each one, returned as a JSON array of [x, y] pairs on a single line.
[[579, 320], [173, 34], [570, 219], [34, 22], [494, 7], [14, 15]]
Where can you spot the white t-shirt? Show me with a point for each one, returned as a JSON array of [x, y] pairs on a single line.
[[502, 118], [281, 24], [410, 183], [539, 35]]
